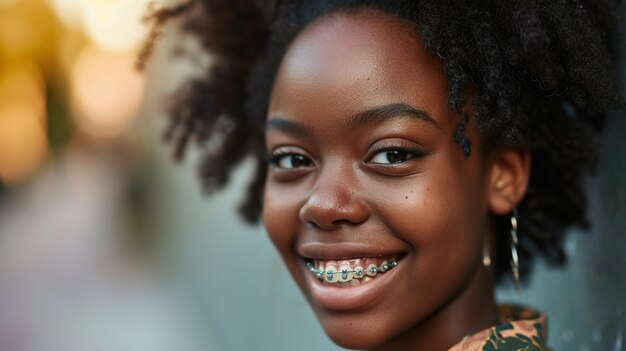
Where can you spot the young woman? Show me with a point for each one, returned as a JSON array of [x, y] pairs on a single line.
[[410, 153]]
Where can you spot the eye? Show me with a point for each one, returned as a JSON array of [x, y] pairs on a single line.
[[393, 156], [290, 160]]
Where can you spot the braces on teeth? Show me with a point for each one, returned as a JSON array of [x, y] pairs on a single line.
[[356, 273]]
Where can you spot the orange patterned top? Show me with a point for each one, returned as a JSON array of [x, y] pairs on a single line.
[[523, 329]]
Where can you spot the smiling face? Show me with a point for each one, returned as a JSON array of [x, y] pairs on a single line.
[[365, 171]]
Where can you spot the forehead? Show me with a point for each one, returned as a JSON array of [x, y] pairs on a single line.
[[356, 60], [345, 43]]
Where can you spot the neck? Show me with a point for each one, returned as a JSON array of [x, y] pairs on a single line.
[[471, 311]]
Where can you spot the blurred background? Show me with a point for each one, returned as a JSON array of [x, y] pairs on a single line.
[[106, 244]]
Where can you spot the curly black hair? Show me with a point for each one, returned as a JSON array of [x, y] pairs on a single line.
[[545, 74]]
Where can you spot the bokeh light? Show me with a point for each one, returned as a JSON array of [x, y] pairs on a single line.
[[7, 2], [112, 24], [23, 140], [67, 66], [22, 83], [23, 143], [115, 24], [69, 11], [106, 91], [25, 29]]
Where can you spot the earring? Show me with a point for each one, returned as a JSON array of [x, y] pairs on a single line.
[[486, 253], [514, 243]]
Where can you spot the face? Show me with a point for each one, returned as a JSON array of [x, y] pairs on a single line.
[[365, 172]]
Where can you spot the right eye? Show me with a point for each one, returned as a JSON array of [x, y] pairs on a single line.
[[290, 161]]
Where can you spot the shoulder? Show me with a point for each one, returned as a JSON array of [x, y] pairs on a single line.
[[521, 329]]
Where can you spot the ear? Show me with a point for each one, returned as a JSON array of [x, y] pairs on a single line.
[[509, 171]]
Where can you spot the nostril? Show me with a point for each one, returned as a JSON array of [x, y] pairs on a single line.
[[313, 224]]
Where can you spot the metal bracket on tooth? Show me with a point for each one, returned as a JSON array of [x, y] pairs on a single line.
[[358, 273]]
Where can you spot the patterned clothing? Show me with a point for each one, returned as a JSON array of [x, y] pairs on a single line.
[[523, 330]]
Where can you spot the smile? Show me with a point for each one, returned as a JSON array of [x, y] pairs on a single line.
[[351, 272]]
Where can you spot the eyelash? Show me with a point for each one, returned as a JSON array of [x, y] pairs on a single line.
[[275, 157], [412, 151]]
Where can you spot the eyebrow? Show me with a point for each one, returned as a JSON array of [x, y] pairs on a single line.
[[374, 115], [391, 111], [287, 126]]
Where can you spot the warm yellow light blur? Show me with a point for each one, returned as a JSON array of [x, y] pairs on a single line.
[[112, 24], [106, 91], [69, 11], [25, 29], [23, 84], [115, 24], [16, 36], [23, 143], [8, 2]]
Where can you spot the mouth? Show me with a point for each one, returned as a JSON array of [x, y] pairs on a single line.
[[343, 284], [351, 272]]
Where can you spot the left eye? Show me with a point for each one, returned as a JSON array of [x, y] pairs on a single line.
[[291, 161], [391, 157]]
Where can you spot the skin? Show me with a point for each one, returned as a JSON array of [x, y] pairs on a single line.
[[332, 186]]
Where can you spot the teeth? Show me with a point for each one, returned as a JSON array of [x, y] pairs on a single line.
[[346, 274], [358, 272], [372, 270], [310, 266], [383, 267], [331, 275]]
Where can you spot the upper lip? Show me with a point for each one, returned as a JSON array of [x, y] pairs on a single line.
[[345, 250]]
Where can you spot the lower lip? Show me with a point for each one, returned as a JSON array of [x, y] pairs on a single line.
[[333, 297]]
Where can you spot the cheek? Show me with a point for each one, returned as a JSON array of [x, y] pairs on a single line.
[[280, 217], [439, 214]]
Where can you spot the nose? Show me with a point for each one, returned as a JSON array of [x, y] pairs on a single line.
[[336, 198]]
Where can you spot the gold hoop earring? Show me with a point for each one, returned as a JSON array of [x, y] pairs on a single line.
[[514, 243]]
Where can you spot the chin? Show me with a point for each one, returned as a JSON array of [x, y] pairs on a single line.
[[354, 340], [355, 332]]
